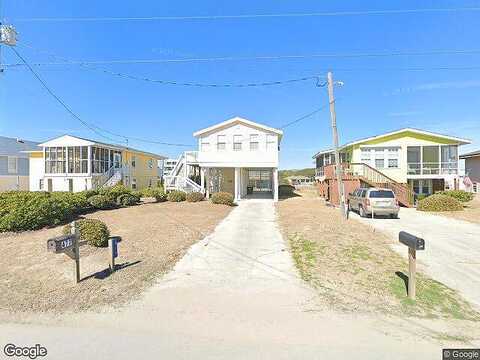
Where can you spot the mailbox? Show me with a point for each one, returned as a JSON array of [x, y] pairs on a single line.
[[61, 243], [412, 241]]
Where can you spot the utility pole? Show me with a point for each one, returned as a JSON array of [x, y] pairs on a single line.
[[338, 165]]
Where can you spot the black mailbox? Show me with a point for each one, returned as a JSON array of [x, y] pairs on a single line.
[[412, 241], [61, 243]]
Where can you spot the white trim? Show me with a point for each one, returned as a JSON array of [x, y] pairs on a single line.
[[237, 120]]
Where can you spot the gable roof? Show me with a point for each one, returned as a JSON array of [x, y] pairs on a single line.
[[470, 154], [14, 146], [237, 120], [79, 141], [460, 141]]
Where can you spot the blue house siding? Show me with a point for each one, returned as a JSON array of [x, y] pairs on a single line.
[[14, 147]]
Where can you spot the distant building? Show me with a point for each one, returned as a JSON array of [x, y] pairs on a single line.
[[300, 180], [472, 170], [14, 168]]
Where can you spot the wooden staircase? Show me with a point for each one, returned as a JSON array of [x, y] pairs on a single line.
[[375, 178]]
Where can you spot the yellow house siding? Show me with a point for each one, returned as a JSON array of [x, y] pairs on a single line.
[[142, 173]]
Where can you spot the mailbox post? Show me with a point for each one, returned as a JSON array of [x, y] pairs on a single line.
[[113, 245], [414, 243], [69, 245]]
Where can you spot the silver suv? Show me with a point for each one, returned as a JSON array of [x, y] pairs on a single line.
[[380, 201]]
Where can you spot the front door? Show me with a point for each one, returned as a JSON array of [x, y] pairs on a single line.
[[70, 185], [49, 185]]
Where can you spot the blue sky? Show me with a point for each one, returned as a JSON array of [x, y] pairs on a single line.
[[377, 96]]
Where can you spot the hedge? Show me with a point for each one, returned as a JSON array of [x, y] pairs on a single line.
[[156, 192], [176, 196], [114, 192], [223, 198], [127, 200], [94, 231], [195, 196], [102, 202], [460, 195], [25, 210], [439, 202]]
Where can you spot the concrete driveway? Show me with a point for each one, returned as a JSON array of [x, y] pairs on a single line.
[[452, 254], [235, 295]]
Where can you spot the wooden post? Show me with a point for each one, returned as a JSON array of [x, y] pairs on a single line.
[[412, 265], [76, 250]]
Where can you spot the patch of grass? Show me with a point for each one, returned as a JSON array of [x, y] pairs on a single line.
[[433, 299], [357, 252], [304, 255], [443, 337]]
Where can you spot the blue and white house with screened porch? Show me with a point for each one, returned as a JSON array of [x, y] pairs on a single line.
[[238, 156]]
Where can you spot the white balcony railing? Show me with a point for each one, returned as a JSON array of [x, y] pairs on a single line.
[[319, 172], [433, 168]]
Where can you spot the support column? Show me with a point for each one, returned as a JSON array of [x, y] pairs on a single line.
[[89, 164], [207, 179], [237, 184], [275, 184], [202, 179]]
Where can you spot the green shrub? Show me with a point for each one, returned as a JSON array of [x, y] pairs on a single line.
[[90, 193], [95, 232], [176, 196], [460, 195], [127, 200], [439, 202], [114, 192], [195, 196], [224, 198], [421, 196], [25, 210], [101, 202], [285, 190], [156, 192]]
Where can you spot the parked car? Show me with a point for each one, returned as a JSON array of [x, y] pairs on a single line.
[[380, 201]]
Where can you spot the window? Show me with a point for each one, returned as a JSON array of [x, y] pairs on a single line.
[[253, 142], [134, 160], [365, 156], [237, 142], [392, 163], [77, 159], [271, 143], [55, 160], [205, 146], [12, 164], [379, 163], [134, 184], [40, 184], [100, 158], [150, 163], [384, 194], [221, 144]]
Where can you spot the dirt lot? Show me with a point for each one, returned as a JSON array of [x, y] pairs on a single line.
[[471, 211], [154, 237], [354, 268]]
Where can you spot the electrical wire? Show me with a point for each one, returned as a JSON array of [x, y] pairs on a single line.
[[97, 130], [179, 83], [303, 117], [248, 16], [255, 58]]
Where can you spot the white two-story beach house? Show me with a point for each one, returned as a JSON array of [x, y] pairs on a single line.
[[237, 156]]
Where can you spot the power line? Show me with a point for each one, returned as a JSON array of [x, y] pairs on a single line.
[[189, 84], [256, 58], [247, 16], [93, 128], [303, 117]]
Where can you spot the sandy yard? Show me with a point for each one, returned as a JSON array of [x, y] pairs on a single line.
[[154, 236], [354, 268], [471, 211]]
